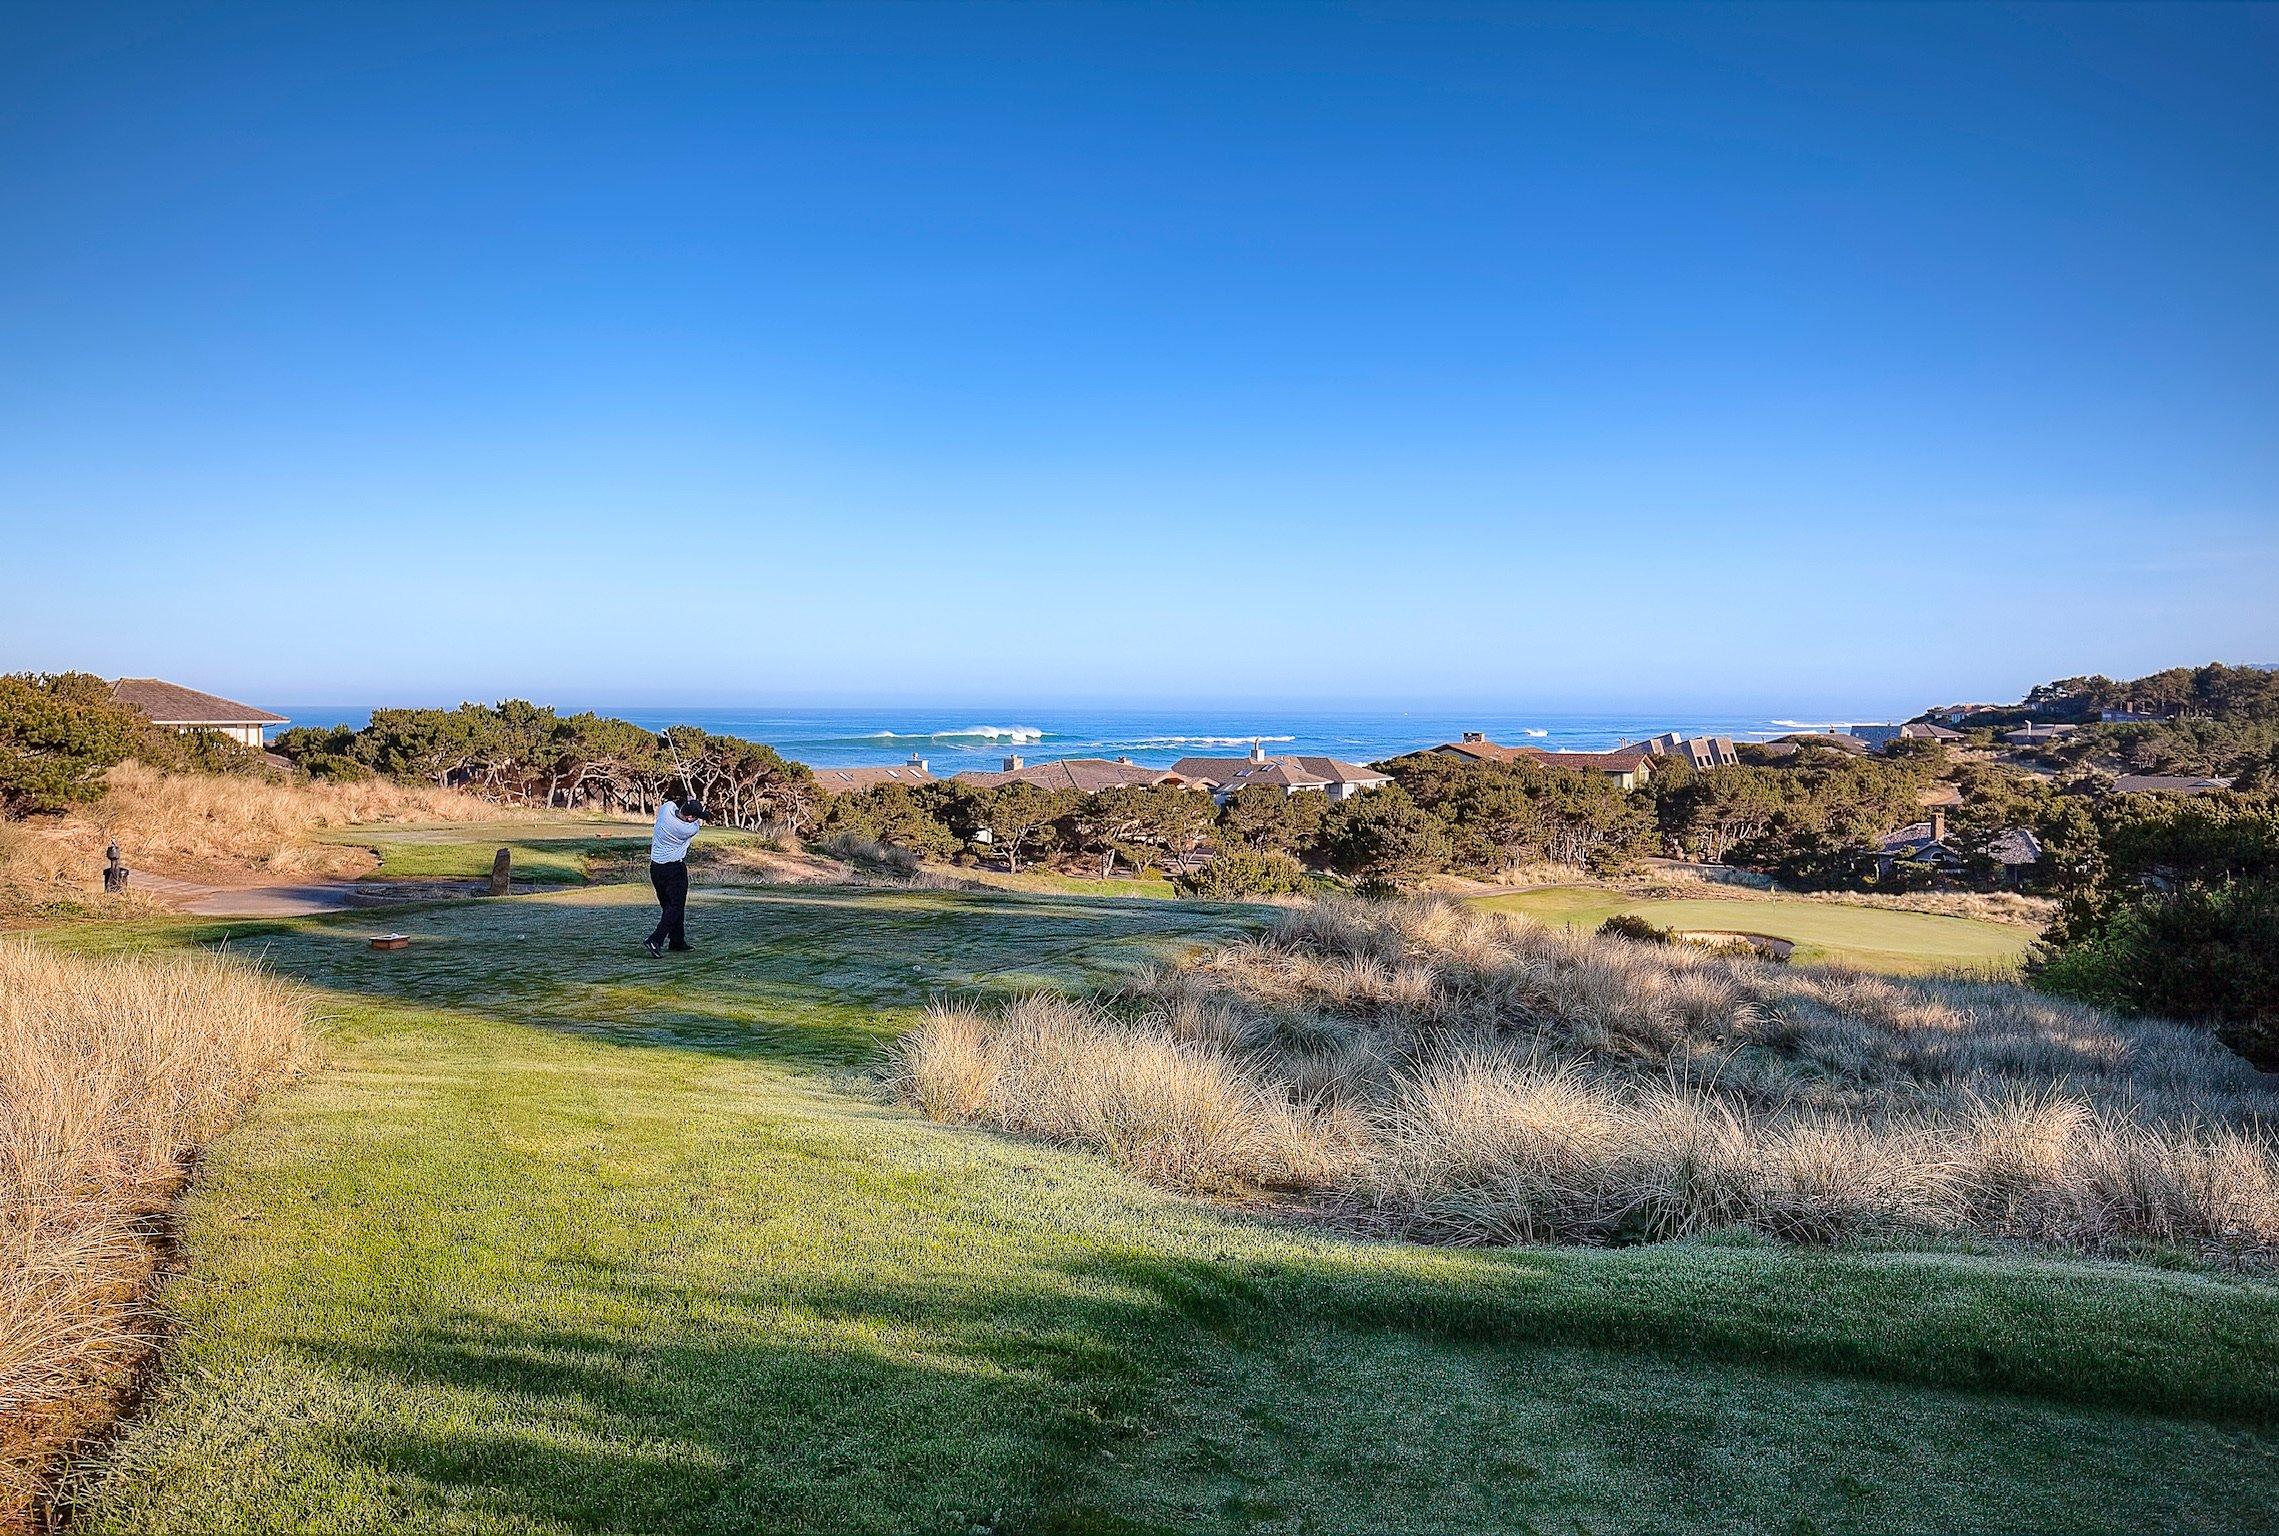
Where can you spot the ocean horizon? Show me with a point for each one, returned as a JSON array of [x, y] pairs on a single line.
[[956, 740]]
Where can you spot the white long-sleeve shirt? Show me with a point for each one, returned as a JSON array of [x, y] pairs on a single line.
[[669, 843]]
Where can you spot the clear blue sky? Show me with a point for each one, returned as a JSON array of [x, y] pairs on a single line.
[[1836, 357]]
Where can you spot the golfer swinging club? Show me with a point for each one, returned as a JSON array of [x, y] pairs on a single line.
[[678, 822]]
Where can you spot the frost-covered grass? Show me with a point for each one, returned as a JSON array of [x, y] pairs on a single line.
[[561, 1238]]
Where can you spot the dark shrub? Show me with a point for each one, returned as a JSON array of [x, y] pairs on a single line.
[[872, 857], [1239, 872], [2200, 952], [58, 733], [335, 769]]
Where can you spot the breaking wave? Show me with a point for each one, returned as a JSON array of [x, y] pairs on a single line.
[[964, 733]]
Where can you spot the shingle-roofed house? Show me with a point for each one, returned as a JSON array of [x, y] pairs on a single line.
[[1924, 845], [1877, 736], [844, 781], [1797, 740], [1084, 775], [1627, 766], [1297, 773], [2168, 784], [186, 709], [1628, 769], [1704, 752], [2016, 849]]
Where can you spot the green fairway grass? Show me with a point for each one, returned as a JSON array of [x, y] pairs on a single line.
[[1871, 938], [547, 850], [1566, 906], [560, 1238], [558, 849]]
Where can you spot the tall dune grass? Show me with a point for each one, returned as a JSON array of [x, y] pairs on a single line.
[[49, 862], [112, 1072], [206, 820], [211, 824], [1439, 1072], [1188, 1117]]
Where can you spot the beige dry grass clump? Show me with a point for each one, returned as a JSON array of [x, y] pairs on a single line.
[[112, 1072], [241, 820], [1179, 1112], [218, 825], [1441, 1072], [45, 863]]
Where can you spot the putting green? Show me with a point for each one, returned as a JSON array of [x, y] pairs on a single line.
[[1824, 932]]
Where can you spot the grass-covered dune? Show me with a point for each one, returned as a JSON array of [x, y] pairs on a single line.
[[563, 1239], [1429, 1069]]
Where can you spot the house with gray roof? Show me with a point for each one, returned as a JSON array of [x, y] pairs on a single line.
[[1704, 752], [1925, 845], [2168, 784], [1879, 737]]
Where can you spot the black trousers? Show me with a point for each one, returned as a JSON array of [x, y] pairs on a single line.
[[671, 881]]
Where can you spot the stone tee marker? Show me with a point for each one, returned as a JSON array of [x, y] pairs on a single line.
[[501, 871]]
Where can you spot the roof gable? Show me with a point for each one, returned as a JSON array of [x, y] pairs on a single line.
[[172, 704]]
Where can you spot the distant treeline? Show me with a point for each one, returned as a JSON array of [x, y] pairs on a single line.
[[2170, 905], [1439, 815], [1811, 817], [1815, 817], [2214, 720]]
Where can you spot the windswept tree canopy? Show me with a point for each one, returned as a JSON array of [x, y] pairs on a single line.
[[58, 733], [1498, 815], [528, 754]]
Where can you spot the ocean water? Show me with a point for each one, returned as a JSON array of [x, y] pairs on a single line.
[[952, 740]]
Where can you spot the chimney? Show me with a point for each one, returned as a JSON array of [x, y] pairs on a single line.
[[1475, 736], [1012, 763], [1257, 751], [1938, 823], [917, 762]]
